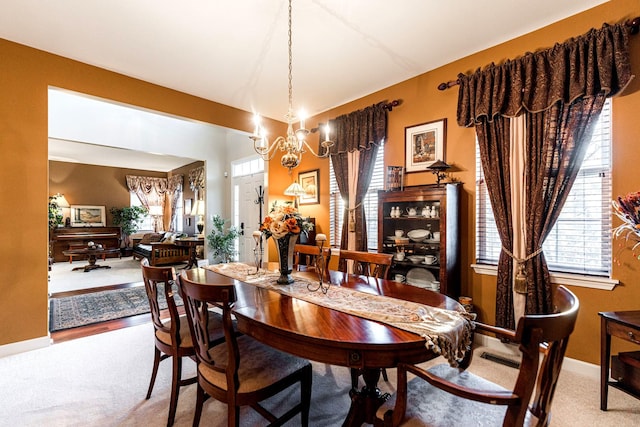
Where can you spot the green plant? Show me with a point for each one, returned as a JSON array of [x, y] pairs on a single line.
[[128, 218], [221, 239], [55, 214]]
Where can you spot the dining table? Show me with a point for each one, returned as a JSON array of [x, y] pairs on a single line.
[[301, 323]]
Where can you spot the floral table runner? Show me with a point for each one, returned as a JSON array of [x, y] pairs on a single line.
[[446, 332]]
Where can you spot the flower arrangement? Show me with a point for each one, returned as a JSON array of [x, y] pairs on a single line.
[[627, 208], [284, 220]]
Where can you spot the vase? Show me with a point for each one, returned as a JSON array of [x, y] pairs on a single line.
[[286, 246]]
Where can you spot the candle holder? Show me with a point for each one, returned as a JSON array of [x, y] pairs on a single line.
[[320, 267], [257, 251]]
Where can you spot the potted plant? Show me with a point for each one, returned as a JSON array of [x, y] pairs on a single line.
[[55, 215], [128, 218], [221, 239]]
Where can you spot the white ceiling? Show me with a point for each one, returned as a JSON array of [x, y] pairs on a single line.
[[235, 51]]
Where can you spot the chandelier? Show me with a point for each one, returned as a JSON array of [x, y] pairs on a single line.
[[295, 144]]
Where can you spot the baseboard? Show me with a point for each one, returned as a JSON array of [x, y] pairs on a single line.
[[511, 351], [23, 346]]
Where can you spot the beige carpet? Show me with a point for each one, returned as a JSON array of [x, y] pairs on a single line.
[[62, 278], [102, 380]]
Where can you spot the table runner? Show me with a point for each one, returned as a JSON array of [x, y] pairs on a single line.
[[447, 332]]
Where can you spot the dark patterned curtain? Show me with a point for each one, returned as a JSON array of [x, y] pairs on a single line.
[[561, 91], [360, 131]]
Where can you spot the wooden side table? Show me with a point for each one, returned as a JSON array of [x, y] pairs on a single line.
[[191, 242], [624, 325]]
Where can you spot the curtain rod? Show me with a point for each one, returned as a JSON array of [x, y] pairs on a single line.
[[634, 27]]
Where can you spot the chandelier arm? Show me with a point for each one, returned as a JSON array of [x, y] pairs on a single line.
[[320, 156], [270, 152]]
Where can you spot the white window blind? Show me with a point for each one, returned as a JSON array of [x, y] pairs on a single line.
[[580, 241], [370, 203]]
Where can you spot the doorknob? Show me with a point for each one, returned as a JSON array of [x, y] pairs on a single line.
[[242, 228]]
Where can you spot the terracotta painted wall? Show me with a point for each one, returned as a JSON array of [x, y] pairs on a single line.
[[422, 102]]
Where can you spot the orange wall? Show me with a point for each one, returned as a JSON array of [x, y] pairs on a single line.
[[25, 74], [422, 102]]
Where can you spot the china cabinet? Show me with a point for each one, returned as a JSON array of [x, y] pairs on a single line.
[[420, 226]]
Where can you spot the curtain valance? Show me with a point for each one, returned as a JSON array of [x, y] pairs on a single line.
[[197, 178], [595, 62], [359, 130], [147, 184]]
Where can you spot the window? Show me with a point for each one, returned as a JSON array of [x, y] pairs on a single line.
[[336, 204], [147, 221], [580, 241]]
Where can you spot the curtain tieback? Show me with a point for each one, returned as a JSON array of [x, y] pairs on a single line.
[[352, 217], [520, 280]]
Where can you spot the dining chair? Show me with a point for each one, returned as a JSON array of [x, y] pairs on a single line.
[[241, 371], [368, 264], [307, 255], [172, 335], [446, 396]]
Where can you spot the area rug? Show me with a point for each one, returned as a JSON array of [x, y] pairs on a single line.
[[96, 307]]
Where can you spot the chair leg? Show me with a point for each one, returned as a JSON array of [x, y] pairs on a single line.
[[175, 389], [384, 375], [154, 372], [200, 398], [305, 395]]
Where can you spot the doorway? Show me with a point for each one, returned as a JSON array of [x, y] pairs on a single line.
[[248, 203]]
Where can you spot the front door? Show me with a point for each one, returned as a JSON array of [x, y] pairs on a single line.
[[247, 213]]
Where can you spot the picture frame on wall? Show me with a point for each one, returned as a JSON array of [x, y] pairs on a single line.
[[309, 181], [424, 145], [88, 216]]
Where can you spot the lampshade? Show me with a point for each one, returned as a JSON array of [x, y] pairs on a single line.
[[439, 166], [294, 189], [198, 208], [61, 201]]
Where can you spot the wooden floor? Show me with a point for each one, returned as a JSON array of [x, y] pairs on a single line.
[[98, 328]]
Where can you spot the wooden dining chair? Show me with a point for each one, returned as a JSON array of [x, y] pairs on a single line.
[[445, 396], [307, 256], [241, 371], [172, 335], [368, 264]]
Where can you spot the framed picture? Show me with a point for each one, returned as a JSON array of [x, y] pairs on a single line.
[[311, 186], [88, 216], [424, 145]]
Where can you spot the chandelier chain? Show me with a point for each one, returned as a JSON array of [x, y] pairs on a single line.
[[290, 113]]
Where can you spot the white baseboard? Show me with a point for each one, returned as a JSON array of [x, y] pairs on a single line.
[[569, 364], [22, 346]]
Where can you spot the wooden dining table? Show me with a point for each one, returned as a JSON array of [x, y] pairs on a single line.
[[330, 336]]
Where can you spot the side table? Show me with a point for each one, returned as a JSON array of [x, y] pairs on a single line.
[[624, 325], [192, 243]]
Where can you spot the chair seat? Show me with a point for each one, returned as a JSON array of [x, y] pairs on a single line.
[[253, 358], [215, 320], [432, 407]]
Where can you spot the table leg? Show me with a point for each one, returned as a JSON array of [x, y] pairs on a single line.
[[605, 360], [192, 258], [366, 401]]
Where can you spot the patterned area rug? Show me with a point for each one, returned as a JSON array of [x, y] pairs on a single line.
[[96, 307]]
